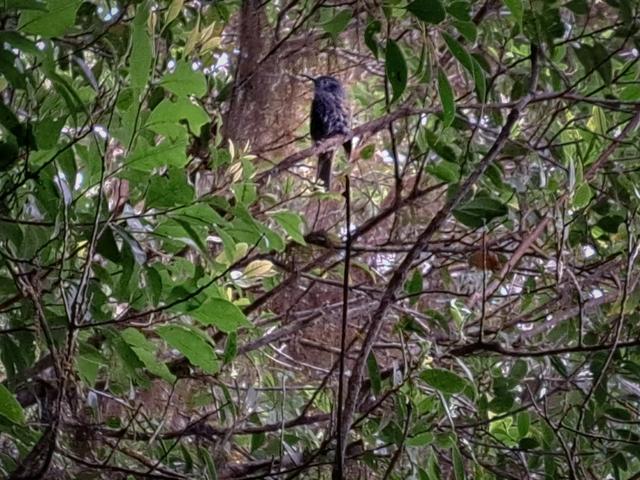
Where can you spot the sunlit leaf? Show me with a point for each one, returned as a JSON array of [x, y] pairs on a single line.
[[185, 81], [259, 269], [222, 314], [444, 381], [59, 17], [191, 344], [9, 406], [582, 196], [141, 49], [292, 223]]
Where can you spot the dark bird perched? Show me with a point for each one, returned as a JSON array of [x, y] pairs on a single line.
[[329, 117]]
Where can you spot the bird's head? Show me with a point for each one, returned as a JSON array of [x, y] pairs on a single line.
[[326, 84]]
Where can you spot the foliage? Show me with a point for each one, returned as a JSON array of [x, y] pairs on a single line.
[[171, 291]]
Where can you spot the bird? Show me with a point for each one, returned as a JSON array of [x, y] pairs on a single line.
[[329, 117]]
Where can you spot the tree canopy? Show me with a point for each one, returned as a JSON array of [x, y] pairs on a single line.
[[180, 298]]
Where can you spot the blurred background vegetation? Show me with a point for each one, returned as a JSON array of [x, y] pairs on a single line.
[[173, 281]]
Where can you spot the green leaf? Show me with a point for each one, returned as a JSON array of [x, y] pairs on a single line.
[[192, 344], [198, 239], [107, 246], [167, 117], [428, 137], [206, 458], [523, 423], [444, 381], [597, 123], [429, 11], [480, 80], [373, 28], [519, 370], [8, 68], [458, 52], [25, 5], [469, 63], [168, 153], [9, 155], [603, 62], [367, 152], [516, 9], [175, 7], [503, 402], [64, 86], [19, 41], [580, 7], [630, 93], [528, 443], [169, 189], [14, 356], [47, 132], [145, 351], [338, 23], [446, 98], [468, 30], [458, 464], [595, 57], [141, 56], [59, 17], [185, 81], [446, 171], [293, 224], [479, 211], [88, 362], [154, 284], [222, 314], [460, 10], [9, 120], [610, 223], [420, 440], [396, 69], [230, 348], [374, 374], [413, 286], [9, 407], [582, 196], [154, 366]]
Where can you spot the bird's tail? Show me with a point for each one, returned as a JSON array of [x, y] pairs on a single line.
[[324, 168]]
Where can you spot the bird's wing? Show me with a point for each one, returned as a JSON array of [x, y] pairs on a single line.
[[318, 127], [337, 117]]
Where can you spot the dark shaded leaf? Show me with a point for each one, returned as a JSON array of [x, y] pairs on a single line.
[[373, 28], [430, 11], [479, 211], [446, 98], [396, 69]]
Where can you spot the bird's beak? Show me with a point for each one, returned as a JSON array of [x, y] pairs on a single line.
[[308, 77]]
